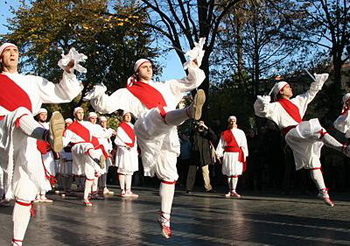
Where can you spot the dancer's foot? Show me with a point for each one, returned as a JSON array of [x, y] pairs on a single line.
[[235, 194], [195, 109], [45, 200], [164, 225], [130, 194], [323, 194], [87, 203], [16, 242], [57, 127], [107, 191]]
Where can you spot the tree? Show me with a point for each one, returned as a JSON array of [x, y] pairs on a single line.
[[182, 23], [249, 51], [326, 25], [111, 40]]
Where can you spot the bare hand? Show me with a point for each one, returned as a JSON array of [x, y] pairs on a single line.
[[69, 66]]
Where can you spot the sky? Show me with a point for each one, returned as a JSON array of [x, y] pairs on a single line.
[[172, 67]]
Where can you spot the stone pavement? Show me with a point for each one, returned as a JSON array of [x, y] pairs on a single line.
[[198, 219]]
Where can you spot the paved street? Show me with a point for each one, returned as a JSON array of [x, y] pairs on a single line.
[[198, 219]]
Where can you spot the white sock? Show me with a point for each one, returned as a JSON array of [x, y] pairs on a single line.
[[234, 182], [121, 181], [42, 195], [331, 142], [21, 218], [94, 185], [176, 117], [317, 177], [166, 193], [32, 128], [128, 182], [87, 190]]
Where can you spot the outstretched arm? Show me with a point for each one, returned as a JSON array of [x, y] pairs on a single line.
[[342, 123], [315, 87], [195, 75], [63, 92], [102, 103], [194, 79], [69, 87]]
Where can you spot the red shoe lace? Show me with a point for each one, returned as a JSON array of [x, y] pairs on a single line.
[[166, 230]]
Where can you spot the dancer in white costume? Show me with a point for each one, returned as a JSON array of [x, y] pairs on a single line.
[[154, 104], [105, 139], [102, 135], [305, 138], [65, 169], [47, 159], [21, 97], [126, 158], [234, 150], [342, 123], [87, 153]]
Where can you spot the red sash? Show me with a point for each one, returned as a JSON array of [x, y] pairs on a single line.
[[84, 133], [12, 96], [43, 146], [291, 109], [232, 146], [80, 130], [130, 132], [148, 96]]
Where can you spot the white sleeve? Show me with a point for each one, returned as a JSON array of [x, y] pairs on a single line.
[[266, 110], [63, 92], [118, 141], [105, 104], [244, 144], [67, 137], [220, 148], [304, 99], [194, 79], [342, 123]]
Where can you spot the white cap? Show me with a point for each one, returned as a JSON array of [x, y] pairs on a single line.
[[346, 97], [102, 118], [232, 118], [68, 120], [139, 62], [77, 109], [6, 45], [277, 88], [92, 114], [42, 110]]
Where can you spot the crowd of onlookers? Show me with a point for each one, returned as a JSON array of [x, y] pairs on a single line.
[[270, 164]]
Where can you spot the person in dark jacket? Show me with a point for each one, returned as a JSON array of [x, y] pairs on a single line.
[[200, 156]]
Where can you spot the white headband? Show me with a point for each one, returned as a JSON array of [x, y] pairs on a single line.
[[68, 120], [346, 97], [277, 88], [5, 46], [42, 110], [232, 118], [92, 114], [138, 63], [102, 118], [77, 109]]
